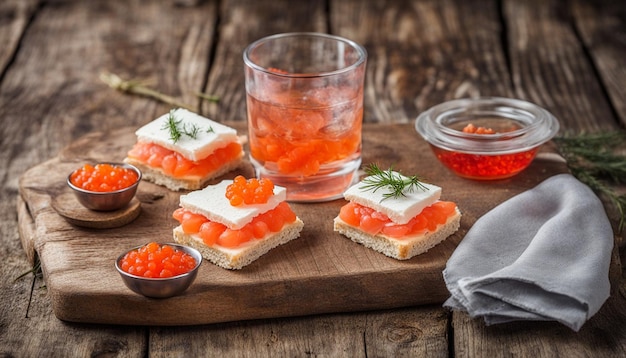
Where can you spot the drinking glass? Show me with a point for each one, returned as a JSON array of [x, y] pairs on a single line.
[[304, 94]]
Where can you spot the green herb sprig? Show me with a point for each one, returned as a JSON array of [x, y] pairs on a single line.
[[35, 270], [176, 131], [140, 88], [591, 158], [388, 179]]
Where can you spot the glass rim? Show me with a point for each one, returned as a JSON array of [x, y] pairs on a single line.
[[359, 49], [540, 126]]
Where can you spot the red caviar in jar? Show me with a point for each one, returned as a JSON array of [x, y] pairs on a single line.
[[251, 191], [157, 261], [478, 166], [482, 166], [103, 177], [486, 138], [470, 128]]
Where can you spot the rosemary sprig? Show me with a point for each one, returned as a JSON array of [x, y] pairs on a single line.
[[139, 88], [591, 158], [207, 97], [378, 179]]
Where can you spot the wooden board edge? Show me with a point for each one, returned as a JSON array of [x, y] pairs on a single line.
[[291, 298]]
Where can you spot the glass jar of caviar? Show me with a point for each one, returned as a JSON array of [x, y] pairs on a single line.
[[486, 138]]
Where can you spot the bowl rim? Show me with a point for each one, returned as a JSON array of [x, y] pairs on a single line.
[[102, 193], [188, 249], [539, 126]]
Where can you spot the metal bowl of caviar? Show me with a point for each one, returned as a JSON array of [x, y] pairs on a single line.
[[104, 186], [486, 138], [159, 270]]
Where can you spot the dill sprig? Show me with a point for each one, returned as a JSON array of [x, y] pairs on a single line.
[[172, 126], [388, 179], [592, 159], [176, 131]]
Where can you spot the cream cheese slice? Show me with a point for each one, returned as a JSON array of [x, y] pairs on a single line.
[[212, 203], [400, 210], [210, 135]]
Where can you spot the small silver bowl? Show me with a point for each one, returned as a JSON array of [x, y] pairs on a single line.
[[106, 201], [161, 287]]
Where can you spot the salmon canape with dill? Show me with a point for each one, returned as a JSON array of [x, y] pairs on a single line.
[[235, 222], [396, 215], [182, 150]]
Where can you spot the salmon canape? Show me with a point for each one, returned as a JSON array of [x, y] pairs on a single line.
[[396, 215], [182, 150], [235, 222]]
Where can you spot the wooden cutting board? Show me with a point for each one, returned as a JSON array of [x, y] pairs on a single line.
[[321, 272]]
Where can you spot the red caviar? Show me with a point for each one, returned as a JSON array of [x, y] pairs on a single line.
[[476, 166], [470, 128], [374, 222], [251, 191], [483, 166], [103, 177], [157, 261], [214, 233]]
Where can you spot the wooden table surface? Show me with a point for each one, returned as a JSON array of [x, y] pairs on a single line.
[[568, 57]]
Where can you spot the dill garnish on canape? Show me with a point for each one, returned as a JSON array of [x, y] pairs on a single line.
[[378, 178]]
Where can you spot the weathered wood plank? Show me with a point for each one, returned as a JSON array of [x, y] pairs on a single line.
[[388, 333], [14, 18], [422, 53], [51, 94], [602, 27], [549, 65], [243, 22]]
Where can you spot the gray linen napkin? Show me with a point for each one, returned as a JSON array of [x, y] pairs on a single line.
[[541, 255]]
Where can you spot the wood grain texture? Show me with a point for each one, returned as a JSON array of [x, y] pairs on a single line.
[[550, 67], [243, 22], [15, 16], [50, 95], [66, 205], [601, 27], [389, 333], [429, 52]]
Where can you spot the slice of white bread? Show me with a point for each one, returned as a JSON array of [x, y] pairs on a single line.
[[159, 177], [235, 259], [400, 249]]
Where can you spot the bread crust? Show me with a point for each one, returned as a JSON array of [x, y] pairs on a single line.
[[405, 248], [249, 252], [159, 177]]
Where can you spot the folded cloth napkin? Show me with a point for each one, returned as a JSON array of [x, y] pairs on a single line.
[[541, 255]]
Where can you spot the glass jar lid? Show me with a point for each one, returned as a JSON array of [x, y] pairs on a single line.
[[517, 125]]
